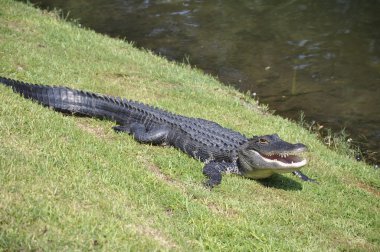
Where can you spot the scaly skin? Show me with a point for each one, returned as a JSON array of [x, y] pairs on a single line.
[[221, 149]]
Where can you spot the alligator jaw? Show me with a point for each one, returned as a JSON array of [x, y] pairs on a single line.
[[282, 160], [257, 166]]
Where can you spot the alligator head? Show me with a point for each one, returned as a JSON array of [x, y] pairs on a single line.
[[263, 156]]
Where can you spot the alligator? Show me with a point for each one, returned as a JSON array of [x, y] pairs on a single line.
[[222, 150]]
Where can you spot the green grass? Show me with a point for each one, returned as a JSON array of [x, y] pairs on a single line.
[[71, 183]]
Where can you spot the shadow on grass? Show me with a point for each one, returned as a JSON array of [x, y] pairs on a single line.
[[281, 182]]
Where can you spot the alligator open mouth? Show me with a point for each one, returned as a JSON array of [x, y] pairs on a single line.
[[285, 160]]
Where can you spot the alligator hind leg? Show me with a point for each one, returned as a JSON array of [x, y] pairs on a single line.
[[304, 177], [213, 171], [154, 136]]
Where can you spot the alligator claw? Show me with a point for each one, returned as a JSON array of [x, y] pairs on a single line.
[[210, 184], [304, 177]]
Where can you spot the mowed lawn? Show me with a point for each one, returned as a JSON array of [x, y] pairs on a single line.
[[69, 183]]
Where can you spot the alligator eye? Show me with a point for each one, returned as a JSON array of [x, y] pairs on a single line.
[[262, 141]]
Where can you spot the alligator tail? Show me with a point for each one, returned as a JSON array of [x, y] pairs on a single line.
[[73, 101]]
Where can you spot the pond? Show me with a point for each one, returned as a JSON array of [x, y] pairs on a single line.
[[319, 57]]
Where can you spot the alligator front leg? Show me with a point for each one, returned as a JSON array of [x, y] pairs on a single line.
[[214, 170], [154, 136], [304, 177]]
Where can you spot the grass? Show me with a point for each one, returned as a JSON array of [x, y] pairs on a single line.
[[71, 183]]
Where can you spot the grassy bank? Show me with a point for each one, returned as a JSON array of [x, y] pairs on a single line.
[[69, 183]]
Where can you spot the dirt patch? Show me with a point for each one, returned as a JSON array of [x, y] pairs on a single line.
[[156, 171], [217, 209], [18, 27], [156, 235], [85, 125], [159, 174], [349, 244], [355, 182], [368, 188]]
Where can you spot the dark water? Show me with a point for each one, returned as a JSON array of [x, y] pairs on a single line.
[[320, 57]]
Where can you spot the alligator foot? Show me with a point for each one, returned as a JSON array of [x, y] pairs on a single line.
[[214, 170], [304, 177]]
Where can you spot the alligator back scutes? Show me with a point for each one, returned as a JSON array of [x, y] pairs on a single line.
[[125, 111]]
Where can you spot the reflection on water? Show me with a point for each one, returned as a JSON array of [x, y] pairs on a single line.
[[321, 57]]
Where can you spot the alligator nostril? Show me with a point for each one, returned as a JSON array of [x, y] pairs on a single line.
[[301, 147]]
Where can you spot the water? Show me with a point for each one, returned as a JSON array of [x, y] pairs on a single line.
[[320, 57]]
